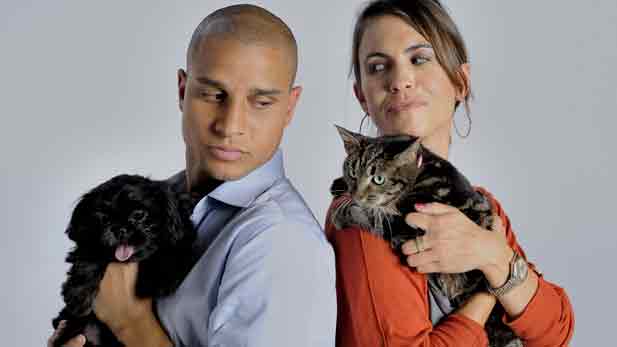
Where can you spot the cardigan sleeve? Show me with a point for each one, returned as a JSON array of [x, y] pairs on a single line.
[[548, 319], [382, 302]]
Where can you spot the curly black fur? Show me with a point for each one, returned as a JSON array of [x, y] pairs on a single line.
[[126, 212]]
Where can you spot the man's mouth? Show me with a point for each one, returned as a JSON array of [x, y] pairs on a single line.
[[124, 252], [225, 153]]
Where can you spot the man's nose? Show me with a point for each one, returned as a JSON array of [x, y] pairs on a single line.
[[231, 120]]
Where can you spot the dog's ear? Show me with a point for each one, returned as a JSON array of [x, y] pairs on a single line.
[[175, 225], [80, 228], [78, 225]]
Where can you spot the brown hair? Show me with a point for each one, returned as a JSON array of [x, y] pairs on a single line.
[[431, 20]]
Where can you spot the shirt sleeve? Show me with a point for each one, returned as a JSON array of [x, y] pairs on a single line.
[[548, 319], [278, 289], [382, 302]]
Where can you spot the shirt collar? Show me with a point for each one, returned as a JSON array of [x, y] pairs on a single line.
[[242, 192]]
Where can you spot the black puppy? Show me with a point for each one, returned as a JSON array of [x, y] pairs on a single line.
[[129, 218]]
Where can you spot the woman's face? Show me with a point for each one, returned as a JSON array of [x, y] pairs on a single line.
[[402, 85]]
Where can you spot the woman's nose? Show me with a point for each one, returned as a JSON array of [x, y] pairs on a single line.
[[401, 80]]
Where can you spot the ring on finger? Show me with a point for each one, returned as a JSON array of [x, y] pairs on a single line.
[[419, 244]]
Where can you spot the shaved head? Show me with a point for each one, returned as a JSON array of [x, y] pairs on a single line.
[[249, 24]]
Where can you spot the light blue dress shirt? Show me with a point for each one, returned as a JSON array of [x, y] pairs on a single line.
[[266, 275]]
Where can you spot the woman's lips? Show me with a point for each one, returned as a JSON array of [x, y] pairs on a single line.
[[405, 106], [225, 153]]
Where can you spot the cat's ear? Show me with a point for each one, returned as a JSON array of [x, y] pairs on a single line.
[[351, 140], [409, 155]]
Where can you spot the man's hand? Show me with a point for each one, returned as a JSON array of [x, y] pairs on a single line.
[[130, 318], [116, 304], [77, 341]]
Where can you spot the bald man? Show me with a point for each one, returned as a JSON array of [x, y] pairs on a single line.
[[265, 274]]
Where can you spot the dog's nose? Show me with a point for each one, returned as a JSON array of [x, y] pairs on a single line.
[[121, 231]]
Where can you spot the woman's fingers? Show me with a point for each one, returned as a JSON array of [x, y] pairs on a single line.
[[434, 208], [417, 245]]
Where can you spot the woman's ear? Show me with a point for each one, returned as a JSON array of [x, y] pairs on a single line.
[[465, 76], [357, 90]]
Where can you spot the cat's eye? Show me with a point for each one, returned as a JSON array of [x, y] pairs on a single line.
[[379, 180]]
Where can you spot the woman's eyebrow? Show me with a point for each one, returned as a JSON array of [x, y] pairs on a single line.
[[407, 50], [418, 46]]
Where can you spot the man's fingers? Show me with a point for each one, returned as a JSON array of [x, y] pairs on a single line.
[[77, 341], [54, 336]]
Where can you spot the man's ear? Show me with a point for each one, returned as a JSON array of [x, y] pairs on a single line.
[[294, 96], [465, 76], [182, 79], [357, 90]]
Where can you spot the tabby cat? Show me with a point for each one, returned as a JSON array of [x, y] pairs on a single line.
[[384, 177]]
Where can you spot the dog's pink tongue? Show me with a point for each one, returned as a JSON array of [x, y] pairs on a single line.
[[124, 252]]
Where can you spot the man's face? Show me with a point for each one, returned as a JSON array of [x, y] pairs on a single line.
[[236, 100]]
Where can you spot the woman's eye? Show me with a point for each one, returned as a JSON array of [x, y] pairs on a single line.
[[379, 180], [419, 60], [374, 68]]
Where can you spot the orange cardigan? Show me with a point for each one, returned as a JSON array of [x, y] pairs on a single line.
[[384, 303]]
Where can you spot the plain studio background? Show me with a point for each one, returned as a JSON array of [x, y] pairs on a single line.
[[88, 90]]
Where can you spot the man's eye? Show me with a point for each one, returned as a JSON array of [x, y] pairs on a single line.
[[212, 96], [263, 103]]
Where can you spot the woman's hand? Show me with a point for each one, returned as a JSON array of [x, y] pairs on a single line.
[[454, 244], [77, 341]]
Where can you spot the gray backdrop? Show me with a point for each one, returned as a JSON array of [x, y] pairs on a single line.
[[88, 90]]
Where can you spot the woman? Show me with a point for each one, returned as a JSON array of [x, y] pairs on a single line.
[[411, 73]]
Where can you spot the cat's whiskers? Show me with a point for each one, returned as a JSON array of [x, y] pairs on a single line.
[[387, 218], [341, 207]]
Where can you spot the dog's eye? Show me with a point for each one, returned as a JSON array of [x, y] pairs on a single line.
[[138, 216], [102, 218]]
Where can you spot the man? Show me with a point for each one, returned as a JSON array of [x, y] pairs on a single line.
[[266, 272]]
